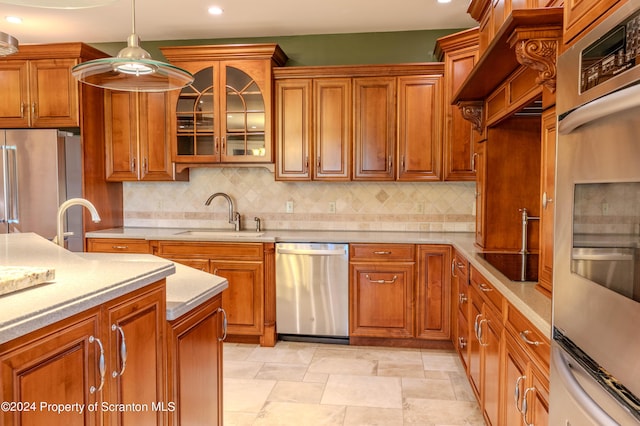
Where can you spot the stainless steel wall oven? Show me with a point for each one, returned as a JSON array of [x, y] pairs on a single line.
[[595, 368]]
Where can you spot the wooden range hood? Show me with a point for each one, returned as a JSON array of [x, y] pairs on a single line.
[[529, 38]]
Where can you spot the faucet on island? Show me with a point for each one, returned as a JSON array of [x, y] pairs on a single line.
[[234, 217], [59, 239]]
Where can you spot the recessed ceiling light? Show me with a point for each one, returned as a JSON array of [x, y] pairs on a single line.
[[444, 1], [215, 10], [13, 19]]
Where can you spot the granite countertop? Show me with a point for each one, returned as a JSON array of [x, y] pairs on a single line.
[[186, 289], [79, 283], [522, 295]]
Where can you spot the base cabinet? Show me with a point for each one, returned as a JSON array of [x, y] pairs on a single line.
[[381, 290], [433, 293], [195, 365], [243, 265], [61, 363]]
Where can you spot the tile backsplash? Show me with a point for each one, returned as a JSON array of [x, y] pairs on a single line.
[[376, 206]]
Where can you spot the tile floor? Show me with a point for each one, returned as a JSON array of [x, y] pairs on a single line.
[[309, 384]]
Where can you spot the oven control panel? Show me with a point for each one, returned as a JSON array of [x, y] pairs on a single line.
[[614, 53]]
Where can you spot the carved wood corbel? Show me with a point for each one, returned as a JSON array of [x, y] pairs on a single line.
[[472, 111], [540, 55]]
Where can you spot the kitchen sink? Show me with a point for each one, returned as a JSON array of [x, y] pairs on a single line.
[[222, 234]]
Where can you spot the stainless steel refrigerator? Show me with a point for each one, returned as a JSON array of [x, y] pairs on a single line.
[[40, 169]]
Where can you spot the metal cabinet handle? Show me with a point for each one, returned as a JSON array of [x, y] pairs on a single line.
[[225, 324], [486, 321], [306, 163], [120, 247], [473, 162], [461, 343], [453, 268], [123, 351], [391, 281], [476, 325], [546, 200], [485, 287], [390, 163], [145, 166], [523, 336], [462, 298], [216, 146], [516, 393], [224, 145], [525, 406], [22, 110], [101, 365], [382, 253], [133, 164], [33, 110], [318, 162]]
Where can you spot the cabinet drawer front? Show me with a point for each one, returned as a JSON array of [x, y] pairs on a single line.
[[534, 342], [461, 269], [486, 289], [232, 251], [118, 246], [382, 252]]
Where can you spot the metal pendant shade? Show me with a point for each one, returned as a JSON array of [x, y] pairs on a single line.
[[8, 44], [60, 4], [132, 70]]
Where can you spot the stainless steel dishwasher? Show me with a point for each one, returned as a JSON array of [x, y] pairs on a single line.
[[312, 291]]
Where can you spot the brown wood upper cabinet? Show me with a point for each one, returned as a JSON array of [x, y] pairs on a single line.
[[37, 87], [459, 52], [137, 136], [225, 115], [374, 122], [579, 16]]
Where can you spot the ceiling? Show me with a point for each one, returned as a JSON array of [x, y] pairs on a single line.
[[188, 19]]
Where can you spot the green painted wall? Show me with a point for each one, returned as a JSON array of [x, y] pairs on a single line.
[[326, 49]]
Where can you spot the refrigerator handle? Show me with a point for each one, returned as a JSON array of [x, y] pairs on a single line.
[[5, 186], [11, 184]]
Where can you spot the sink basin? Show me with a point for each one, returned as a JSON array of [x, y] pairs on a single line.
[[222, 234]]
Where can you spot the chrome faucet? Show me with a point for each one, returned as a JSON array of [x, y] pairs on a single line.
[[59, 239], [525, 221], [234, 217]]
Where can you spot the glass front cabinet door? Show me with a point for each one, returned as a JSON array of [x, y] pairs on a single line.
[[225, 115]]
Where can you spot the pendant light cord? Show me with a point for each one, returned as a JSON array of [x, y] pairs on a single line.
[[133, 16]]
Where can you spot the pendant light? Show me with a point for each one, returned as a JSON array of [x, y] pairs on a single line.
[[60, 4], [8, 44], [132, 70]]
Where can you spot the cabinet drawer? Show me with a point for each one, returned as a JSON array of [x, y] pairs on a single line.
[[118, 245], [486, 289], [216, 251], [382, 252], [534, 342]]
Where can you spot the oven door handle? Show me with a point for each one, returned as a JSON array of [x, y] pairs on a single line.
[[576, 392], [602, 107]]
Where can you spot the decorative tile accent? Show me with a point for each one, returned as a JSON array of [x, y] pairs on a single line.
[[377, 206]]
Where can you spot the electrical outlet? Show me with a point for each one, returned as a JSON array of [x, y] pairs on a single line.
[[289, 207], [332, 206]]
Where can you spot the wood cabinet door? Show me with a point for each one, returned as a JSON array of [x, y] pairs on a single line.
[[374, 128], [537, 398], [491, 338], [54, 93], [458, 149], [332, 129], [381, 300], [547, 189], [481, 178], [475, 315], [514, 381], [243, 300], [195, 365], [154, 137], [136, 348], [121, 135], [293, 129], [14, 86], [580, 15], [245, 103], [419, 128], [433, 293], [58, 366]]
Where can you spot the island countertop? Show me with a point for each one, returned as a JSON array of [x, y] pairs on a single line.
[[79, 283]]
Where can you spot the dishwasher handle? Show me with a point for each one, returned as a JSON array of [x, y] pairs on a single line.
[[313, 252]]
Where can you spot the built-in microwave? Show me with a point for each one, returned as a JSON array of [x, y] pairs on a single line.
[[595, 363]]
